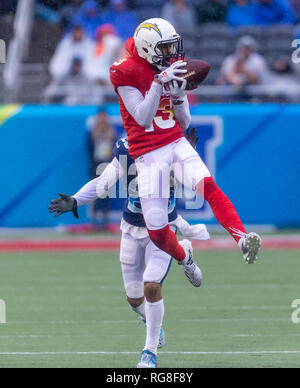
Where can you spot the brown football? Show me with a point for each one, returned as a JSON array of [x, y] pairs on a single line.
[[197, 71]]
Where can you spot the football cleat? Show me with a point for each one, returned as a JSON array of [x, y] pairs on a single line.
[[250, 245], [191, 270], [162, 336], [147, 360]]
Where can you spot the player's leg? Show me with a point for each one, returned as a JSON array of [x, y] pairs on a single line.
[[165, 239], [227, 216], [132, 257], [153, 308], [154, 191], [137, 305], [155, 212], [158, 264], [193, 173], [157, 267]]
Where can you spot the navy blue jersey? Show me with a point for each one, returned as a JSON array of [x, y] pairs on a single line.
[[132, 210]]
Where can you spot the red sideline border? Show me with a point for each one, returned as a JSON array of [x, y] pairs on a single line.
[[114, 245]]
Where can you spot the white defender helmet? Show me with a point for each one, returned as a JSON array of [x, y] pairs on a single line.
[[157, 41]]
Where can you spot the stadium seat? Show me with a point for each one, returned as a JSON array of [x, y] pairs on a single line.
[[149, 3], [147, 13], [189, 46], [256, 32], [214, 44], [279, 46], [212, 30], [212, 76], [280, 30], [214, 59]]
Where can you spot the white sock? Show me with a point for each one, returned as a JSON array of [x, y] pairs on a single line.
[[140, 310], [154, 317], [241, 241]]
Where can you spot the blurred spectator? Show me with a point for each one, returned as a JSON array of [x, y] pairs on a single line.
[[241, 13], [72, 88], [282, 75], [131, 4], [101, 142], [245, 67], [180, 14], [268, 12], [68, 12], [124, 20], [107, 49], [73, 45], [296, 7], [89, 17], [211, 11]]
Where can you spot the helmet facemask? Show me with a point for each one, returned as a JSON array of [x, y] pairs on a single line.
[[168, 51]]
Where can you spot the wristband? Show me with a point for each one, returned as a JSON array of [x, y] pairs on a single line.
[[75, 208], [177, 102]]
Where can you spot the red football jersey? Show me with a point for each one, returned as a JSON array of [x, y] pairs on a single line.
[[136, 72]]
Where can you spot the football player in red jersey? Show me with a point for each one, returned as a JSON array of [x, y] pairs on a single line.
[[155, 111]]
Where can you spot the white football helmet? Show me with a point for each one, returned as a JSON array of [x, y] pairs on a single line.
[[157, 41]]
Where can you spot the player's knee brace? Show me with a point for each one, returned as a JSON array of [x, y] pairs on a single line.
[[135, 290], [154, 219]]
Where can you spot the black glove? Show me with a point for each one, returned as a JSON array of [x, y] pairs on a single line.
[[63, 204], [191, 136]]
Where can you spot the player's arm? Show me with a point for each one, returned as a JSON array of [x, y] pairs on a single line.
[[99, 187], [142, 109], [180, 103], [182, 113], [64, 204], [96, 188]]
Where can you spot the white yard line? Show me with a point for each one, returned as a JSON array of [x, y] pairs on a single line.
[[116, 321], [263, 335], [237, 308], [33, 336], [258, 352]]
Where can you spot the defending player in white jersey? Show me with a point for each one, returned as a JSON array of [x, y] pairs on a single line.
[[144, 266]]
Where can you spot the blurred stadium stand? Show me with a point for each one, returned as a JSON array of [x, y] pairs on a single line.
[[211, 42]]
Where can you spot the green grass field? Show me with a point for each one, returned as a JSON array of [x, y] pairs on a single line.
[[69, 310]]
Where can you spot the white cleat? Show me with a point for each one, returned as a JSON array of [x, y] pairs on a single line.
[[191, 270], [250, 245], [147, 360]]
